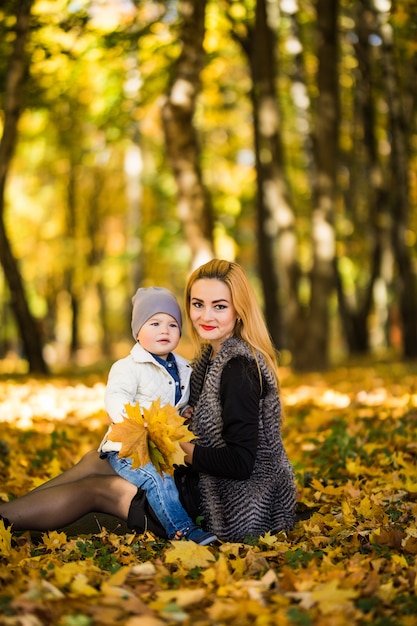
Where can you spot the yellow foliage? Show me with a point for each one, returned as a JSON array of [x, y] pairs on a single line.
[[189, 553], [81, 586], [152, 436], [351, 438], [54, 540], [182, 597], [5, 539]]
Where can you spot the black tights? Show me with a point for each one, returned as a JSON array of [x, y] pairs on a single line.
[[91, 485]]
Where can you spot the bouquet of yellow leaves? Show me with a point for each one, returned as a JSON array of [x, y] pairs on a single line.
[[152, 435]]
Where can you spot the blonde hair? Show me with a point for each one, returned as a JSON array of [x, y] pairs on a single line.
[[250, 325]]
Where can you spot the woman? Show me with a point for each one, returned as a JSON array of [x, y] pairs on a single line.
[[245, 481]]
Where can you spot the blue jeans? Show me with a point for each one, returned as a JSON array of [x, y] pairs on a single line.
[[161, 492]]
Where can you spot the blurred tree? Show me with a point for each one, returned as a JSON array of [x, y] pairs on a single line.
[[251, 120], [313, 332], [400, 192], [366, 202], [13, 103], [182, 146], [275, 218]]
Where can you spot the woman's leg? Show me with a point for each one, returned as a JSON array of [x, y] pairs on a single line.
[[63, 504], [89, 465]]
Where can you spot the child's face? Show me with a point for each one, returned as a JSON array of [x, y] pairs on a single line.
[[160, 334]]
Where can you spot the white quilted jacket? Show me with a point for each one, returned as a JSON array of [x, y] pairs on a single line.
[[140, 378]]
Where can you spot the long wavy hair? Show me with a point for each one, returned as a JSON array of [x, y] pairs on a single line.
[[250, 325]]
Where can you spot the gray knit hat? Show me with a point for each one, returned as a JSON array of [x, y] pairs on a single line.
[[148, 301]]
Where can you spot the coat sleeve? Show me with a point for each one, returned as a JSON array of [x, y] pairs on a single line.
[[240, 392], [120, 390]]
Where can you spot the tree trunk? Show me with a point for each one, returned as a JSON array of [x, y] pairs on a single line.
[[72, 283], [407, 288], [95, 257], [194, 206], [275, 218], [276, 223], [312, 352], [28, 327], [354, 312]]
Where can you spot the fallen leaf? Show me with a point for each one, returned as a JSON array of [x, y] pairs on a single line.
[[5, 539], [143, 570], [54, 540], [330, 597], [189, 553], [144, 620], [268, 539], [181, 597], [351, 561], [80, 586]]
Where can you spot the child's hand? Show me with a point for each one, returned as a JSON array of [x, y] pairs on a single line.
[[187, 413]]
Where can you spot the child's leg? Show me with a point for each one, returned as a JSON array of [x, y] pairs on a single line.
[[60, 505], [161, 492]]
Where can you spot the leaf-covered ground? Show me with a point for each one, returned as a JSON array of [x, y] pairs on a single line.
[[351, 435]]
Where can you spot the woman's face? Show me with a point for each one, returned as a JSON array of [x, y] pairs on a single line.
[[211, 310]]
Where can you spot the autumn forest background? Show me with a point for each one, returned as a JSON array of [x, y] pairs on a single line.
[[139, 139]]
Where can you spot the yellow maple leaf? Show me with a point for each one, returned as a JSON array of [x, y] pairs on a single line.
[[133, 435], [69, 572], [189, 553], [331, 597], [54, 540], [152, 435], [5, 539], [268, 539]]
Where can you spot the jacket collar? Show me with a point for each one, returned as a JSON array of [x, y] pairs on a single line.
[[140, 355]]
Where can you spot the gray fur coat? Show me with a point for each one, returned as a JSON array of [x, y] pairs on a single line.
[[235, 509]]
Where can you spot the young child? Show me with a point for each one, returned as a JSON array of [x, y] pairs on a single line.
[[152, 371]]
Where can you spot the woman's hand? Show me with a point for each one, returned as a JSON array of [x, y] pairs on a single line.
[[188, 448]]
